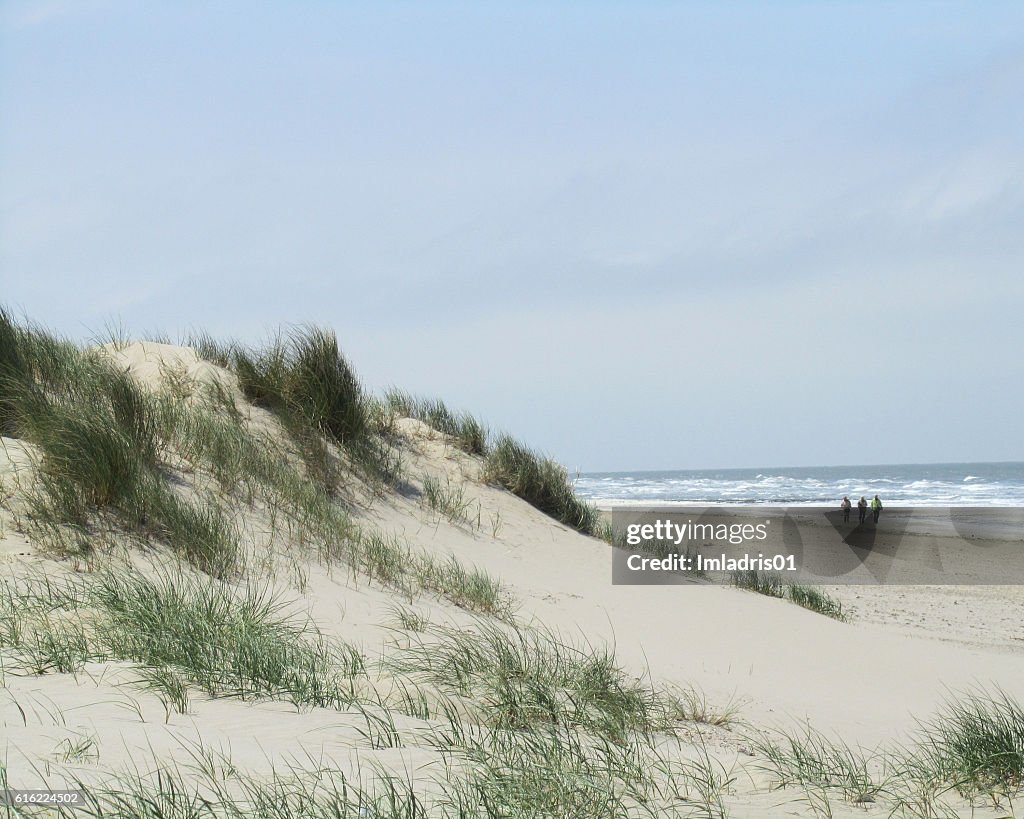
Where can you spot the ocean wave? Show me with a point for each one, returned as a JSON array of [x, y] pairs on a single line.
[[928, 485]]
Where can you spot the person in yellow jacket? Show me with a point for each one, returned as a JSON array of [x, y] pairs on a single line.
[[876, 507]]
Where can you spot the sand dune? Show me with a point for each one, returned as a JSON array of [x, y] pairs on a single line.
[[867, 681]]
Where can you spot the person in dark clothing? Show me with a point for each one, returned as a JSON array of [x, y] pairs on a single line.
[[862, 508], [846, 506]]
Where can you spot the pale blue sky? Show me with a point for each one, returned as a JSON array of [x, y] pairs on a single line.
[[638, 235]]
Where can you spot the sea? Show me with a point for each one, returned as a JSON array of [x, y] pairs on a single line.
[[954, 484]]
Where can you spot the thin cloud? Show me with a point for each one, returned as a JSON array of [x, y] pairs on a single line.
[[21, 15]]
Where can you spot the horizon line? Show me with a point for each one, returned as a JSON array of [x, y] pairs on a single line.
[[791, 466]]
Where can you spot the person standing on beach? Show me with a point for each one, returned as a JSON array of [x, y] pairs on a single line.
[[862, 508], [846, 506], [876, 507]]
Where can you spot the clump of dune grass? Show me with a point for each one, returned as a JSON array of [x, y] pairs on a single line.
[[170, 685], [385, 558], [78, 748], [177, 628], [771, 584], [816, 600], [212, 786], [973, 746], [766, 583], [304, 378], [521, 676], [13, 370], [211, 349], [323, 385], [446, 499], [409, 619], [53, 646], [391, 561], [539, 481], [809, 759], [302, 374], [95, 429], [706, 780], [100, 438], [692, 705], [976, 743], [211, 433], [39, 626], [240, 644], [550, 770], [198, 530], [545, 768], [467, 431], [472, 588], [535, 773]]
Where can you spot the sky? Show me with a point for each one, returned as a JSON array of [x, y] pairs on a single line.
[[642, 235]]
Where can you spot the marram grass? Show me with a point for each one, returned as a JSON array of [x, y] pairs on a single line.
[[971, 749], [304, 378], [553, 729], [529, 676], [468, 433], [976, 741], [100, 441], [535, 478], [180, 629], [771, 584], [539, 481]]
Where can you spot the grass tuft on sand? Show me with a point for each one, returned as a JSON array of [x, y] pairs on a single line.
[[771, 584], [100, 440], [468, 433], [539, 481]]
